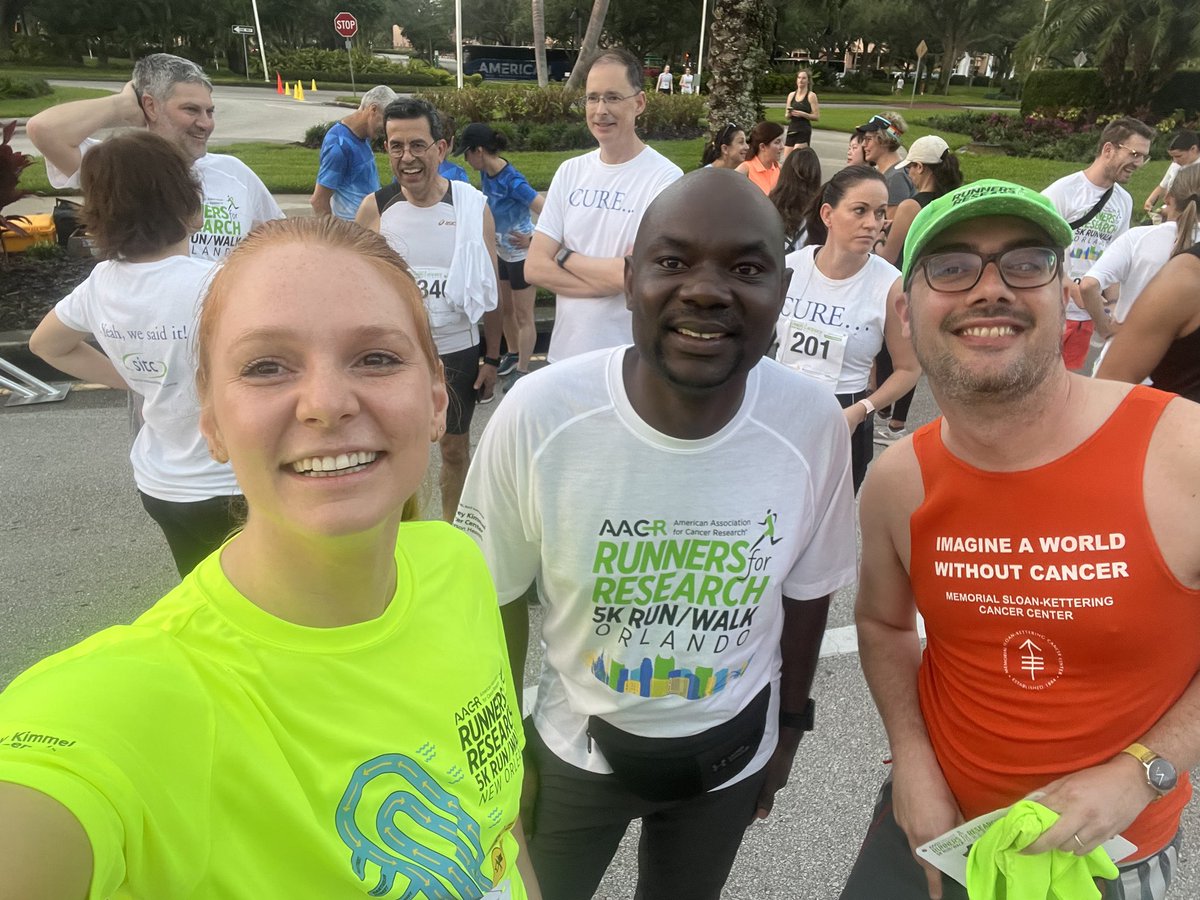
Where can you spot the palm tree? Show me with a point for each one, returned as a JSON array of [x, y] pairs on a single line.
[[736, 59], [539, 41], [1137, 44], [591, 40]]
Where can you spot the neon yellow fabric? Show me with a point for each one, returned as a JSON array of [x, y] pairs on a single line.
[[211, 750], [996, 869]]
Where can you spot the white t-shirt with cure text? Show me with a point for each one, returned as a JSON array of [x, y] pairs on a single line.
[[595, 209]]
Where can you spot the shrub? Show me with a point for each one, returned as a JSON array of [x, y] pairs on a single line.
[[1069, 135], [333, 65], [1062, 88], [316, 135], [14, 88]]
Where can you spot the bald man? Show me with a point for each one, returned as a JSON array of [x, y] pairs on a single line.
[[683, 609]]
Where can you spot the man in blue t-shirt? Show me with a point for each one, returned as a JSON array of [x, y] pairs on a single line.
[[348, 172]]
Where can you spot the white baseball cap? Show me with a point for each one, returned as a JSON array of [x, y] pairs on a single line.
[[927, 150]]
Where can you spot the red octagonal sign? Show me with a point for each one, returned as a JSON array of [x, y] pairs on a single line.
[[345, 24]]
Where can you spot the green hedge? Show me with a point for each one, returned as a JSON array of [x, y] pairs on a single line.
[[13, 88], [1049, 89], [333, 65]]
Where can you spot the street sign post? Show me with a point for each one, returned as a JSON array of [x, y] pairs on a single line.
[[922, 49], [346, 25], [244, 30]]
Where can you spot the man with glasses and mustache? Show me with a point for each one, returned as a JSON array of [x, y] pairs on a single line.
[[1063, 640], [1097, 209], [445, 232], [592, 212]]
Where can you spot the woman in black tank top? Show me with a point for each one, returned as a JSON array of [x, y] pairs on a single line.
[[803, 109], [1160, 337]]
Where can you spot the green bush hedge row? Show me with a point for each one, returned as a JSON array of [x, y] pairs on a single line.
[[13, 88], [334, 65], [1049, 89]]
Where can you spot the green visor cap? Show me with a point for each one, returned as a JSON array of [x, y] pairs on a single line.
[[989, 197]]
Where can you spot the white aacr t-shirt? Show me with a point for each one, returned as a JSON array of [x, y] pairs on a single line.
[[143, 316], [235, 199], [832, 330], [685, 83], [595, 209], [660, 575], [664, 81], [1132, 261], [1073, 196]]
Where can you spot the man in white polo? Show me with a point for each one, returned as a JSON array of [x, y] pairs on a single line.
[[592, 212]]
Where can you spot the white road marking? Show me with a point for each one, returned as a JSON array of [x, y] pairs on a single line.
[[840, 641]]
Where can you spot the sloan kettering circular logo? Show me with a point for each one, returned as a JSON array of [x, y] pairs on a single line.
[[1031, 660]]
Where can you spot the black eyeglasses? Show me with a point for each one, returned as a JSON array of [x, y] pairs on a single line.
[[1020, 268]]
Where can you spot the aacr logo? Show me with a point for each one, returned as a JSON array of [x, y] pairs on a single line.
[[640, 528], [32, 739]]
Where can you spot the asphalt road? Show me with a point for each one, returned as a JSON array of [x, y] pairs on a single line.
[[77, 553]]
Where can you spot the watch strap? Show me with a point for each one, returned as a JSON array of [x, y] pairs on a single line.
[[491, 361], [1141, 753], [866, 401], [801, 720], [562, 256]]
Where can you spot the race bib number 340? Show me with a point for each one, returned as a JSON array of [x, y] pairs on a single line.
[[813, 349]]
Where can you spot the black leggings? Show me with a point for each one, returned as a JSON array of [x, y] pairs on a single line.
[[883, 371], [194, 530], [862, 440]]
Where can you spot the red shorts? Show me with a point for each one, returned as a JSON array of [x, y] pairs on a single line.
[[1076, 341]]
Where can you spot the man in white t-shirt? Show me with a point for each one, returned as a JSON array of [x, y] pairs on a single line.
[[1097, 209], [171, 97], [592, 212], [446, 234], [1184, 151], [683, 609]]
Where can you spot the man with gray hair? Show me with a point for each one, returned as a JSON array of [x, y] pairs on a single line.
[[172, 97], [347, 171]]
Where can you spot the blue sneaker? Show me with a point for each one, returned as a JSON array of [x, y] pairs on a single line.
[[508, 362]]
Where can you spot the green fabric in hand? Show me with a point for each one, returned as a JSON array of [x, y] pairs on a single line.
[[998, 870]]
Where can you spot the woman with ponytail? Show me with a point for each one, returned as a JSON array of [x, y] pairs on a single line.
[[727, 149], [840, 307]]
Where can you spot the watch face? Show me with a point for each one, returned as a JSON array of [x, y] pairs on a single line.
[[1162, 775]]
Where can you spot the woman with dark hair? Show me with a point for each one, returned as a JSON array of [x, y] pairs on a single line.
[[934, 171], [840, 307], [727, 149], [802, 108], [762, 159], [511, 200], [313, 711], [142, 203], [799, 181], [855, 149]]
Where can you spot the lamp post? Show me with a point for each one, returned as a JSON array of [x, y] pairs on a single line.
[[262, 44], [700, 55]]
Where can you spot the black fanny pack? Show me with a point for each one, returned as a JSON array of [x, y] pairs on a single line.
[[663, 769]]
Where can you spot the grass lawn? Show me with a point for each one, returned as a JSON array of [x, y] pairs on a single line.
[[25, 107], [958, 96], [290, 169]]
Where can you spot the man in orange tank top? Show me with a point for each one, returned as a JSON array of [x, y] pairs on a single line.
[[1063, 627]]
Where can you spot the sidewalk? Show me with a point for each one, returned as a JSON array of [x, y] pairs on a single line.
[[291, 204]]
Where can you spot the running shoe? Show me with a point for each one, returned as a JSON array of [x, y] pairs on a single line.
[[887, 435], [508, 362]]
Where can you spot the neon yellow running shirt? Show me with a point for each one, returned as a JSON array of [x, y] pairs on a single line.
[[213, 750]]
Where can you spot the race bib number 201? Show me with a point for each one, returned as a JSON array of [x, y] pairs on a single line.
[[814, 350]]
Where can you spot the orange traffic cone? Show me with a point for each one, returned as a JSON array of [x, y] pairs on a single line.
[[314, 85], [279, 84]]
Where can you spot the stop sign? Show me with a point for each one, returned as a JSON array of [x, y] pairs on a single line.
[[345, 24]]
